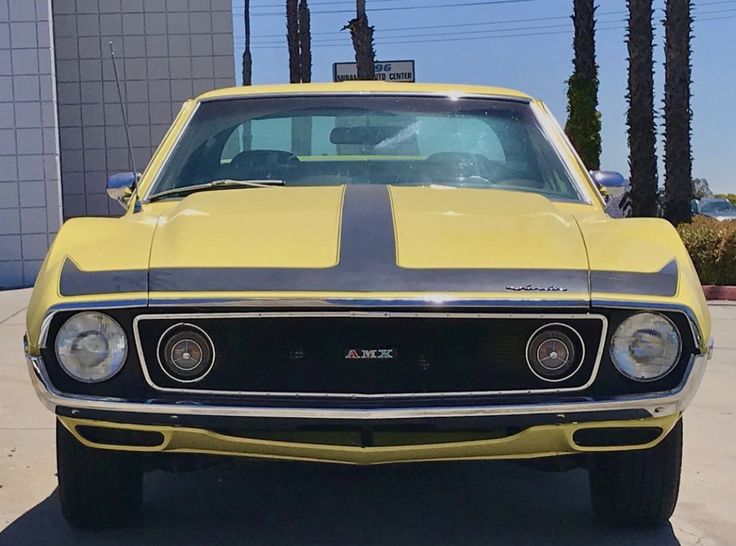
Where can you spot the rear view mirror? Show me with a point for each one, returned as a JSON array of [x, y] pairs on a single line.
[[363, 135], [608, 179]]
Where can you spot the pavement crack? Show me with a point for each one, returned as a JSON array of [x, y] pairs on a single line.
[[13, 315]]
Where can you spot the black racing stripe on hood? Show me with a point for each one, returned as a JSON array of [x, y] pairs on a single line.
[[75, 282], [661, 283], [367, 263]]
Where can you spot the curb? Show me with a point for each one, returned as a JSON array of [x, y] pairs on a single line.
[[723, 293]]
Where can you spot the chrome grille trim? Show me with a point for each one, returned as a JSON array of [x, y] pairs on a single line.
[[374, 315]]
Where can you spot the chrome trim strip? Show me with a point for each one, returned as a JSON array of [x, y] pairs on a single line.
[[448, 94], [656, 404], [437, 301], [372, 315], [424, 301]]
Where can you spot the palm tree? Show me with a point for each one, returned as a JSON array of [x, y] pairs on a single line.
[[584, 120], [305, 42], [677, 114], [362, 35], [247, 137], [292, 39], [247, 59], [305, 66], [298, 35], [640, 116]]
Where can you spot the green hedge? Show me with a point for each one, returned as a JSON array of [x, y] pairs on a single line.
[[712, 247]]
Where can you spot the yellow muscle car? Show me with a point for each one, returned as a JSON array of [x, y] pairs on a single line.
[[367, 273]]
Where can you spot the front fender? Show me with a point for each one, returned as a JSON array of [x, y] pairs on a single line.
[[89, 244], [649, 246]]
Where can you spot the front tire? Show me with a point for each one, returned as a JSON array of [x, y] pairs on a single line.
[[638, 488], [98, 489]]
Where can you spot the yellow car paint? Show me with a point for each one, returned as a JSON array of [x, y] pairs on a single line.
[[434, 227], [533, 442], [99, 244], [269, 227]]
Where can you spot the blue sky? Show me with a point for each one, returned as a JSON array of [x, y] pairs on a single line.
[[525, 45]]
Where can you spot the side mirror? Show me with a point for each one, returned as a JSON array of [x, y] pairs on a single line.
[[608, 179], [120, 187]]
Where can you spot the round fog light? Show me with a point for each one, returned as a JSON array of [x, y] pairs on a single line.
[[646, 347], [186, 353], [555, 352]]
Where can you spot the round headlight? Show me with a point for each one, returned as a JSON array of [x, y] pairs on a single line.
[[646, 347], [91, 347]]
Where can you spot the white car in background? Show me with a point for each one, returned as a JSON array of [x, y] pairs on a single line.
[[718, 208]]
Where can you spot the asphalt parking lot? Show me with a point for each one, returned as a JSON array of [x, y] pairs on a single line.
[[281, 503]]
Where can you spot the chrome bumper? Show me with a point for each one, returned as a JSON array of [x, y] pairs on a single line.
[[659, 404]]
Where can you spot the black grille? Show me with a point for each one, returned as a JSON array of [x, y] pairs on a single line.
[[311, 354]]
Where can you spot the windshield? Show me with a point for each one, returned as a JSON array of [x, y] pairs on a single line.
[[400, 140], [717, 206]]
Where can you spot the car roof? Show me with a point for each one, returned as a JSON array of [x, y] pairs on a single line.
[[352, 87]]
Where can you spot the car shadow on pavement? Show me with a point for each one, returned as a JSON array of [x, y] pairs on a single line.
[[296, 503]]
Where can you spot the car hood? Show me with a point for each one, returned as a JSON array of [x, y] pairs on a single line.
[[367, 238], [369, 243]]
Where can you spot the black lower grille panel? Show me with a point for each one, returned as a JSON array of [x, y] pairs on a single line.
[[385, 355]]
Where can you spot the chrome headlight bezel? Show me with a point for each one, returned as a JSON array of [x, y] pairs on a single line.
[[627, 368], [91, 323]]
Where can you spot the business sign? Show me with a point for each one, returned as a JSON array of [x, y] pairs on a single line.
[[389, 71]]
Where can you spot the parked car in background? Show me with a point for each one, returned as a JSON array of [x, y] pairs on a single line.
[[367, 273], [715, 207]]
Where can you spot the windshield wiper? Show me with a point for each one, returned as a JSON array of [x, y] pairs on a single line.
[[216, 185]]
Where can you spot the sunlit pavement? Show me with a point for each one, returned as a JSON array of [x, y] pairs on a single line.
[[278, 503]]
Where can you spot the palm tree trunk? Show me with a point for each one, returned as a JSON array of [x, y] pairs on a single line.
[[247, 137], [677, 112], [640, 117], [292, 39], [247, 58], [584, 120], [304, 123], [305, 42], [362, 35]]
